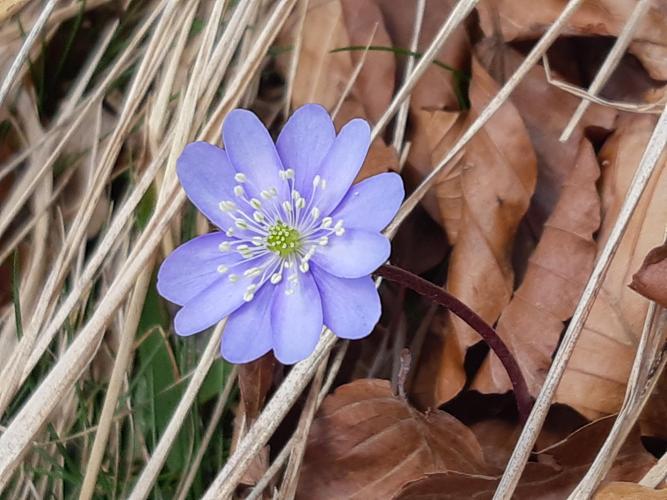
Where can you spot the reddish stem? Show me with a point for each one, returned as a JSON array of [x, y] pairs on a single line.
[[436, 294]]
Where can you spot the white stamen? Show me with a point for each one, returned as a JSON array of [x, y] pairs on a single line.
[[222, 269], [286, 206], [258, 216], [240, 177], [226, 205], [224, 246], [233, 278], [340, 231], [300, 203], [241, 224], [304, 266], [252, 272], [339, 224], [258, 241], [323, 184], [323, 241], [230, 232], [296, 195], [315, 213], [316, 181], [239, 191], [255, 203], [265, 194], [276, 278], [326, 222], [289, 173]]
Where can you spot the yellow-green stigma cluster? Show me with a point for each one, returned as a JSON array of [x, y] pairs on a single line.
[[283, 240]]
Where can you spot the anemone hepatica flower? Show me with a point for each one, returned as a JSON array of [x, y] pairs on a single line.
[[297, 240]]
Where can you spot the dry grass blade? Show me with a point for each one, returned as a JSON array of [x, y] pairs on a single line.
[[225, 482], [22, 55], [121, 363], [612, 60], [458, 14], [402, 116], [282, 457], [214, 420], [291, 476], [145, 482], [77, 230], [645, 169], [503, 94], [646, 370], [657, 474]]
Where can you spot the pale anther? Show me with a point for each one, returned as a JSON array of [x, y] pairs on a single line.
[[255, 203], [315, 213], [239, 177], [316, 181], [326, 222], [239, 191], [276, 278], [222, 269]]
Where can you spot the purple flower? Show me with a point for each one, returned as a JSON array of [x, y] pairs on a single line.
[[297, 241]]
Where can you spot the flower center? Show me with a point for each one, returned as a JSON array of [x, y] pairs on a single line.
[[283, 240]]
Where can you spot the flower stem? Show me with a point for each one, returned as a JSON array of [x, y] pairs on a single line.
[[440, 296]]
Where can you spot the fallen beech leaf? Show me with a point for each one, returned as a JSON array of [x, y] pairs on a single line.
[[322, 76], [651, 279], [593, 17], [568, 461], [545, 110], [437, 87], [557, 271], [595, 378], [492, 184], [628, 491], [497, 438], [365, 443]]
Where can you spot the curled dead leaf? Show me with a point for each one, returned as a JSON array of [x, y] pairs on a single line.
[[557, 271], [553, 477], [594, 381], [651, 279], [593, 17], [490, 187], [365, 443]]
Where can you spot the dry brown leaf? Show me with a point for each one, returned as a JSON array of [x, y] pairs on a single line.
[[595, 379], [545, 110], [255, 381], [365, 443], [436, 89], [651, 279], [497, 438], [557, 272], [322, 76], [593, 17], [492, 185], [553, 478], [628, 491]]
